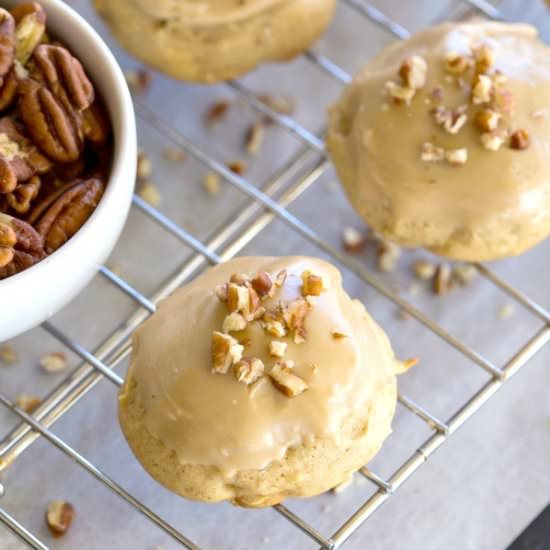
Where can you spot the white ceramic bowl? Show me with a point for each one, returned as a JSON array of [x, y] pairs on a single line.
[[30, 297]]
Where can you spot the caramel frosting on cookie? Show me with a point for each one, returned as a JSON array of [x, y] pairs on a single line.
[[443, 140], [256, 356]]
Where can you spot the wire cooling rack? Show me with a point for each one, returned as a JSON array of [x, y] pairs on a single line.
[[263, 206]]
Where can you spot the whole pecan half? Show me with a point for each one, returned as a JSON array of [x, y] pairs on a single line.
[[68, 213], [95, 123], [19, 158], [64, 75], [30, 19], [20, 199], [21, 246], [52, 127], [7, 41], [8, 89]]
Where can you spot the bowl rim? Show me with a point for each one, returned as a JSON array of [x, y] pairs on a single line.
[[124, 145]]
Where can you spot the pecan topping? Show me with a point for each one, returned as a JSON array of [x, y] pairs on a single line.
[[31, 26], [488, 120], [294, 315], [59, 517], [248, 370], [64, 75], [7, 41], [8, 89], [234, 322], [312, 285], [519, 140], [19, 158], [262, 284], [431, 153], [414, 71], [53, 128], [226, 351], [95, 123], [277, 349], [456, 63], [20, 246], [457, 157], [286, 381], [482, 90], [68, 213], [400, 94], [494, 140]]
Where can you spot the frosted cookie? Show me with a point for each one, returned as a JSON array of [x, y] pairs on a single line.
[[212, 40], [260, 380], [443, 140]]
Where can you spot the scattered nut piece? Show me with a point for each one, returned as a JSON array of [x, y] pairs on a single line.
[[519, 140], [150, 193], [294, 315], [456, 63], [388, 256], [54, 362], [277, 349], [263, 285], [273, 327], [503, 101], [442, 281], [403, 366], [28, 403], [59, 517], [431, 153], [339, 335], [234, 322], [238, 298], [221, 293], [216, 112], [492, 141], [506, 311], [353, 240], [173, 154], [414, 71], [424, 270], [211, 183], [285, 380], [8, 356], [457, 157], [484, 57], [312, 285], [254, 138], [248, 370], [138, 80], [144, 166], [464, 273], [237, 166], [482, 89], [280, 278], [400, 94], [488, 120], [226, 351]]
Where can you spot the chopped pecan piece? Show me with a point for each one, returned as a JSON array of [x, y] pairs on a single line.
[[53, 128], [400, 94], [254, 138], [503, 101], [494, 140], [64, 75], [95, 123], [7, 41], [414, 71], [248, 370], [424, 270], [488, 120], [21, 246], [273, 324], [457, 157], [31, 26], [59, 516], [456, 63], [339, 335], [54, 362], [484, 57], [431, 153], [452, 121], [262, 284], [234, 322], [388, 256], [353, 240], [285, 380], [226, 351], [19, 158], [277, 349], [238, 297], [28, 403], [68, 213], [442, 281], [519, 140], [294, 315], [20, 199], [312, 285], [482, 90]]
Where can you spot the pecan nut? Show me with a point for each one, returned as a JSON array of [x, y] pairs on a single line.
[[21, 246], [7, 41], [20, 199], [52, 127], [8, 89], [19, 158], [68, 213], [30, 27], [64, 75], [95, 123]]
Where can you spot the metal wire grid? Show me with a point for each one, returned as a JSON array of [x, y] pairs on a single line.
[[264, 206]]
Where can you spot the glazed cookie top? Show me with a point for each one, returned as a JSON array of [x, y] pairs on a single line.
[[255, 356], [450, 126], [205, 12]]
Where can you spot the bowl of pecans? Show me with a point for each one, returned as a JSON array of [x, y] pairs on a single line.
[[67, 158]]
